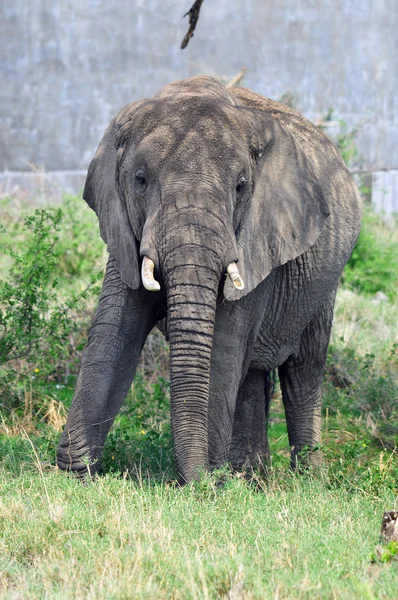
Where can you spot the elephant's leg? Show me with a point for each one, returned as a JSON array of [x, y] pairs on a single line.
[[301, 382], [249, 445], [121, 324], [233, 339]]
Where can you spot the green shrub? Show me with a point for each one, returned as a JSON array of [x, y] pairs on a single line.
[[37, 315], [373, 265], [80, 248], [29, 313]]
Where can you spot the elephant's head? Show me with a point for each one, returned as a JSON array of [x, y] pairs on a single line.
[[189, 184]]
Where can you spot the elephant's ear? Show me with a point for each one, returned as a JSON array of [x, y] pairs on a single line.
[[101, 195], [289, 203]]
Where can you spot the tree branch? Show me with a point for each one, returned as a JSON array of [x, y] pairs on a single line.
[[236, 79], [193, 15]]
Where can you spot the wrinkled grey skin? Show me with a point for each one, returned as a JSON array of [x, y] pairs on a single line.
[[195, 178]]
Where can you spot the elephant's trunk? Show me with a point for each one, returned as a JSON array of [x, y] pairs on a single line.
[[191, 314], [192, 269]]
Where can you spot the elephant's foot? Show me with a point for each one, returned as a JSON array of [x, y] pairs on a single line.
[[75, 458], [83, 471], [305, 458], [251, 465]]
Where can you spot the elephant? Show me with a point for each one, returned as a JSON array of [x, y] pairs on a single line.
[[229, 217]]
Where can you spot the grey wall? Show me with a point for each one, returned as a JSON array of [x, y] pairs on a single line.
[[71, 64]]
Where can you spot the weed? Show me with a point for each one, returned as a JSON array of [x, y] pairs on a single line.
[[386, 553]]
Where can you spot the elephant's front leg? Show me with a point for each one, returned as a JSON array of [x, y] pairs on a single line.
[[121, 324], [249, 444], [235, 329], [301, 379]]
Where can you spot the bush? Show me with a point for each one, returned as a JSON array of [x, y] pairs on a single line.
[[80, 248], [373, 265], [38, 316]]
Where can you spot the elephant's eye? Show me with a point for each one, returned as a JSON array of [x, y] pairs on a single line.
[[241, 185], [140, 181]]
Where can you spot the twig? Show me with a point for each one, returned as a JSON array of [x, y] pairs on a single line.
[[193, 15], [236, 79]]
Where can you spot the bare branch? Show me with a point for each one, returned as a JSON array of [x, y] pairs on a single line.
[[236, 79], [193, 15]]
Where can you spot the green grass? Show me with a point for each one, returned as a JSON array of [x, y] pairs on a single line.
[[134, 534], [294, 538]]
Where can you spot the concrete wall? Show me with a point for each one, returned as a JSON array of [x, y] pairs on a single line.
[[70, 65]]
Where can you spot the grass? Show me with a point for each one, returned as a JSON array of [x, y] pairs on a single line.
[[133, 534], [295, 538]]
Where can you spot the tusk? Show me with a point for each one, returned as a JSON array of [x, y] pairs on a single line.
[[234, 276], [148, 279]]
